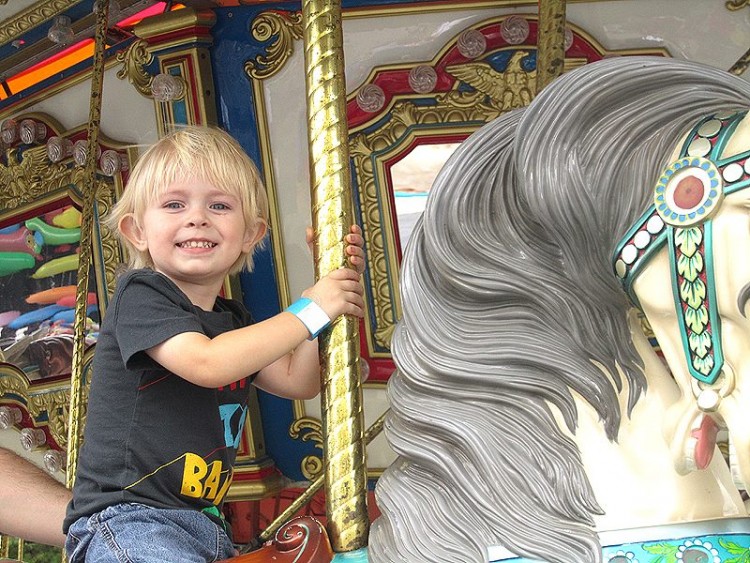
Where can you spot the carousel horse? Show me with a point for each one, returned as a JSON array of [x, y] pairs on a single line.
[[531, 416]]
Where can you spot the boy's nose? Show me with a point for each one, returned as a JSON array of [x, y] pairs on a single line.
[[197, 219]]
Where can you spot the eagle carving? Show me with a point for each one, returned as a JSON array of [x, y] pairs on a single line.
[[512, 88]]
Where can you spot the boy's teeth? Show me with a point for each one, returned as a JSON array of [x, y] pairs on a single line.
[[197, 244]]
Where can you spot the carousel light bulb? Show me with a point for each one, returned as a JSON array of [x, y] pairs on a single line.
[[54, 461], [31, 131], [112, 162], [9, 131], [166, 87], [364, 369], [9, 416], [32, 438], [59, 148], [61, 31], [80, 151]]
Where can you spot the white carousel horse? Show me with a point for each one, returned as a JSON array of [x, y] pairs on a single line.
[[531, 416]]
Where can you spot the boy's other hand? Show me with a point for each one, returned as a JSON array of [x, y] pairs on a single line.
[[355, 243], [338, 293]]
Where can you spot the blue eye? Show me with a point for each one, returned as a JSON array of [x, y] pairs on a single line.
[[220, 206], [173, 205]]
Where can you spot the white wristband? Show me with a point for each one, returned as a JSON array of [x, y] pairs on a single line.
[[311, 314]]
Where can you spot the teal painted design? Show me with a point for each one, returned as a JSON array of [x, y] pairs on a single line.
[[357, 556], [686, 195], [179, 107], [711, 548]]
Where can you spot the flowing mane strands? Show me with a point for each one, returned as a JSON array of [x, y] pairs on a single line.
[[509, 299]]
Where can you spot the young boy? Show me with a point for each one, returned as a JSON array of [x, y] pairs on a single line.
[[174, 360]]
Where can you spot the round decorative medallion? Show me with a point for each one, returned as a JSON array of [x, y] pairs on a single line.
[[688, 191]]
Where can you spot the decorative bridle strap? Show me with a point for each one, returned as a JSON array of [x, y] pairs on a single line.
[[687, 195]]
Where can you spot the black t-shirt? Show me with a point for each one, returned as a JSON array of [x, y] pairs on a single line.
[[152, 437]]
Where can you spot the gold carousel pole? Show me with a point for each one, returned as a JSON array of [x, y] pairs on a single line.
[[76, 414], [332, 215], [550, 54]]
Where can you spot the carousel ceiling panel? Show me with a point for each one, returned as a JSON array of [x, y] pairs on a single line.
[[25, 28]]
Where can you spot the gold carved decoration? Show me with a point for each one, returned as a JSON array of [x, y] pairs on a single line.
[[309, 429], [509, 89], [34, 15], [494, 93], [52, 403], [736, 4], [742, 64], [451, 107], [31, 178], [286, 27], [134, 60]]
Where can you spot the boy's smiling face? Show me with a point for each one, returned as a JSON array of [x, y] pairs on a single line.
[[194, 233]]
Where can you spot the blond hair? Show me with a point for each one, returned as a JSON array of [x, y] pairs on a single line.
[[205, 153]]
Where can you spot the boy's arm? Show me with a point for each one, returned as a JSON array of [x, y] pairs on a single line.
[[297, 374], [32, 503], [236, 354]]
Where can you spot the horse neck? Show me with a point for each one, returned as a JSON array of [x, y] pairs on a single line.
[[634, 478]]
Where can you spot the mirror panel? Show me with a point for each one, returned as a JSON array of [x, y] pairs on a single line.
[[41, 194]]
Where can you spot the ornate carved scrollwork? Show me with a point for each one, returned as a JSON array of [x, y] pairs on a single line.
[[308, 429], [286, 27], [134, 60], [736, 4], [28, 178]]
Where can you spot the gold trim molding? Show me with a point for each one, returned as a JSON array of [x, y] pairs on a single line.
[[52, 402], [286, 27], [33, 16], [456, 108]]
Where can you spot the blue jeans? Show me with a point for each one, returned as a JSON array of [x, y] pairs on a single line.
[[135, 533]]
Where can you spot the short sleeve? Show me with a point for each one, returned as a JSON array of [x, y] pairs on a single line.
[[150, 310]]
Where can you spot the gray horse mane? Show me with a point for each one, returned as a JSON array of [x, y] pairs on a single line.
[[508, 295]]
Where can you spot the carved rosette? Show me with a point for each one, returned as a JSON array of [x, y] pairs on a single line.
[[285, 28]]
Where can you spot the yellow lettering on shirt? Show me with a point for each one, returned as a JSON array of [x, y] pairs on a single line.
[[211, 485], [224, 489], [195, 469]]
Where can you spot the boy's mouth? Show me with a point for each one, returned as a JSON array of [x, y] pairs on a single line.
[[196, 244]]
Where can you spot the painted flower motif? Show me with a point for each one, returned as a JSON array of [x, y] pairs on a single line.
[[623, 557], [697, 551]]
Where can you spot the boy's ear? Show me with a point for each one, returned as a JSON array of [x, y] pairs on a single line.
[[132, 231], [254, 235]]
